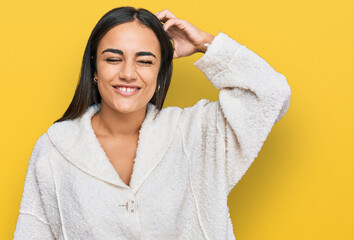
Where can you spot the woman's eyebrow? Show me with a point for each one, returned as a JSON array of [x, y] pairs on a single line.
[[112, 50], [118, 51], [145, 54]]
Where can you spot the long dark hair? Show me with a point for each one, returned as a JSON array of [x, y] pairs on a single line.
[[86, 92]]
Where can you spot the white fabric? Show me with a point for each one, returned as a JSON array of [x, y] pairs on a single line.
[[187, 162]]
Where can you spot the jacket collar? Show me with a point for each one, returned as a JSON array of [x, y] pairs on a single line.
[[77, 142]]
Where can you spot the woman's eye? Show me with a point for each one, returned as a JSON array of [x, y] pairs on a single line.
[[146, 62], [113, 60]]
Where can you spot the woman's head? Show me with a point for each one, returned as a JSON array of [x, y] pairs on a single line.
[[118, 30]]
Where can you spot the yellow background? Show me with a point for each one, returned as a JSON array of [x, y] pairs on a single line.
[[299, 187]]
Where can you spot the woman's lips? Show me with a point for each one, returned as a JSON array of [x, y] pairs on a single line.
[[126, 91]]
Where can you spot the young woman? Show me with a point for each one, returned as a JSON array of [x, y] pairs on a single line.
[[118, 166]]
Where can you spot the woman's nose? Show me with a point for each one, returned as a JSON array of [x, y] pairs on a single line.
[[128, 71]]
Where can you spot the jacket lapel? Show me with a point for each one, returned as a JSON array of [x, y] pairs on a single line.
[[156, 135], [77, 142]]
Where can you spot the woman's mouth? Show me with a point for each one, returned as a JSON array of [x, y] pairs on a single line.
[[126, 91]]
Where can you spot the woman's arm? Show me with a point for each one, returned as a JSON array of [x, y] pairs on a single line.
[[32, 222], [223, 138], [253, 97]]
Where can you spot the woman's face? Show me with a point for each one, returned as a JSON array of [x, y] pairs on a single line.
[[128, 63]]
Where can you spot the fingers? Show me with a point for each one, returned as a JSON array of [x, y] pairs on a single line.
[[165, 15], [179, 23], [169, 19]]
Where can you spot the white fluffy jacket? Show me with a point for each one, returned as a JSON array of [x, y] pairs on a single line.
[[187, 161]]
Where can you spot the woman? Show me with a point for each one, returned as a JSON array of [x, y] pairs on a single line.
[[118, 166]]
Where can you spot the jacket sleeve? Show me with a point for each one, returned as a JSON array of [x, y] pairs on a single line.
[[32, 222], [230, 132]]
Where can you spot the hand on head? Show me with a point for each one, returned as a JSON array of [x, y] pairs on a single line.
[[187, 38]]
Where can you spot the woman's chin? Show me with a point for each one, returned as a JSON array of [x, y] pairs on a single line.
[[126, 109]]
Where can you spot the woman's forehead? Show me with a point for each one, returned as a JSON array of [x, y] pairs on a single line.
[[131, 36]]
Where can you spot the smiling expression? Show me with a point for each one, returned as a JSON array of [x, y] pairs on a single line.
[[128, 63]]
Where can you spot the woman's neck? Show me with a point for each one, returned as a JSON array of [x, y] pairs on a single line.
[[111, 123]]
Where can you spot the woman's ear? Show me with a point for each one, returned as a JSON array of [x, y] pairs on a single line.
[[95, 75]]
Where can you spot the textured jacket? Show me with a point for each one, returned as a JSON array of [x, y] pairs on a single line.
[[187, 161]]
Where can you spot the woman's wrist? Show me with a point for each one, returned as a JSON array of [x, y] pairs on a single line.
[[207, 39]]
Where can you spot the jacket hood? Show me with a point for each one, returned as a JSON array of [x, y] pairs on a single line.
[[77, 143]]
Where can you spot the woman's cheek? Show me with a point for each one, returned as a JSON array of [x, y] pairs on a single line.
[[109, 71], [149, 79], [150, 73]]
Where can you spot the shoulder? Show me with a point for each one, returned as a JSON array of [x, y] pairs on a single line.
[[169, 112], [174, 115], [202, 104], [166, 115], [63, 128], [204, 112], [203, 109], [42, 145], [46, 145], [41, 150]]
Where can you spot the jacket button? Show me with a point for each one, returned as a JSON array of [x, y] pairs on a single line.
[[131, 206]]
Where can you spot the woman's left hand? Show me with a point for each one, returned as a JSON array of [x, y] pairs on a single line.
[[187, 39]]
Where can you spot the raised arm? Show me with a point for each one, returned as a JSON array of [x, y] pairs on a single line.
[[253, 97], [223, 138]]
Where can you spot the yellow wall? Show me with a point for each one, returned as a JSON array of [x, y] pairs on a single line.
[[300, 185]]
